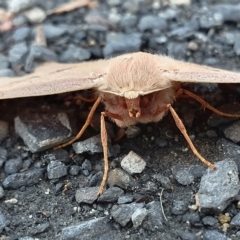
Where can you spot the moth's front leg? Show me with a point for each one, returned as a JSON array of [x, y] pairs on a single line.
[[183, 130], [104, 140], [86, 124], [184, 92]]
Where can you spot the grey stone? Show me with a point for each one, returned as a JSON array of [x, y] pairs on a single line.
[[165, 181], [87, 195], [3, 222], [179, 207], [155, 219], [40, 228], [133, 131], [186, 31], [180, 2], [120, 178], [170, 13], [27, 238], [177, 50], [19, 21], [56, 169], [236, 45], [35, 15], [85, 172], [235, 222], [122, 214], [6, 73], [96, 179], [160, 142], [43, 131], [17, 55], [133, 163], [3, 129], [233, 132], [3, 62], [97, 27], [150, 22], [111, 194], [185, 174], [114, 2], [229, 12], [21, 34], [13, 165], [210, 221], [118, 43], [131, 6], [60, 154], [229, 150], [38, 52], [3, 156], [211, 20], [91, 145], [74, 170], [53, 32], [213, 235], [2, 193], [27, 178], [193, 218], [26, 164], [128, 21], [138, 217], [19, 5], [125, 199], [184, 235], [87, 165], [75, 54], [218, 188], [92, 229]]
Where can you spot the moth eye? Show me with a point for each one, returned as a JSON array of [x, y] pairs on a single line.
[[122, 102], [144, 100]]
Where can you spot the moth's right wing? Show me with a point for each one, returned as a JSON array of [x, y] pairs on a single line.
[[53, 78], [180, 71]]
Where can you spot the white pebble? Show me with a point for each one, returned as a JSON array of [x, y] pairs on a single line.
[[133, 163]]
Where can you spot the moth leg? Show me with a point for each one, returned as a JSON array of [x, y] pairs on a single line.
[[104, 140], [205, 104], [105, 153], [183, 130], [120, 134], [86, 124], [88, 100]]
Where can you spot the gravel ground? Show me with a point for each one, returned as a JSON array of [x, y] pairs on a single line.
[[157, 189]]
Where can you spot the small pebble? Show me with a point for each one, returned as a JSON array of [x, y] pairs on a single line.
[[138, 217], [56, 169], [133, 163]]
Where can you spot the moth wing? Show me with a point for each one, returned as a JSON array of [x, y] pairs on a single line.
[[52, 78], [189, 72]]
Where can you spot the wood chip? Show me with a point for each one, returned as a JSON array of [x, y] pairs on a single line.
[[40, 38], [73, 5]]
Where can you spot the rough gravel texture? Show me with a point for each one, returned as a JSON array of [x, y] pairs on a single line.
[[46, 194]]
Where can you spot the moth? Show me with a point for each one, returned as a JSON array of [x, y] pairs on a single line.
[[135, 88]]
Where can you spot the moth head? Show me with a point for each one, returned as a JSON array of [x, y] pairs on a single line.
[[135, 105], [133, 75]]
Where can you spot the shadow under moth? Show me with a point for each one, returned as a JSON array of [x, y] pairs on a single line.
[[135, 88]]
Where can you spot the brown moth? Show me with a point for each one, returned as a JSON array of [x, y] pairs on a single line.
[[135, 88]]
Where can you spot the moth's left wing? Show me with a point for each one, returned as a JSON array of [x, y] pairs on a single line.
[[53, 78]]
